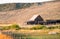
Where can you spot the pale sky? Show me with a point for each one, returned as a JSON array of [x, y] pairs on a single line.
[[22, 1]]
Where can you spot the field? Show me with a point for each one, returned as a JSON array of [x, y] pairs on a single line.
[[45, 37], [33, 34]]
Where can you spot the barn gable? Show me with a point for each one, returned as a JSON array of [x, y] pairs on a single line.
[[36, 17]]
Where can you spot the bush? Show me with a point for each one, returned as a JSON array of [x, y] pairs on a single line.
[[38, 27], [54, 27], [15, 26], [51, 27]]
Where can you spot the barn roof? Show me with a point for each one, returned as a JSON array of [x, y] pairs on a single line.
[[33, 17]]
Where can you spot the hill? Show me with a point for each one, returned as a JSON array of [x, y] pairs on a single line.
[[14, 6], [49, 10]]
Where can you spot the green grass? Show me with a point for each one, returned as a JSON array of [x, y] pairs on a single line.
[[57, 36]]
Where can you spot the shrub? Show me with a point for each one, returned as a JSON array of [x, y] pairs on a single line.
[[15, 26], [38, 27], [51, 27], [54, 27]]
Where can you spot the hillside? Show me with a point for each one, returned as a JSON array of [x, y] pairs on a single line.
[[14, 6], [21, 16], [7, 7]]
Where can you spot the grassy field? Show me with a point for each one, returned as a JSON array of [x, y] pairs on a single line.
[[57, 36], [46, 36], [41, 34], [33, 34]]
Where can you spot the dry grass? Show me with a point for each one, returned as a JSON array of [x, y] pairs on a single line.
[[3, 36], [38, 32]]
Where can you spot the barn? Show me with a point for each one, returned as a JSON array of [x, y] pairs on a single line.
[[36, 19], [43, 19]]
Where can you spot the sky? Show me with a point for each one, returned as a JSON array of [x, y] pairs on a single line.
[[22, 1]]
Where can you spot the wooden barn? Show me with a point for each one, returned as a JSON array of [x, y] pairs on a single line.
[[36, 19], [44, 19]]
